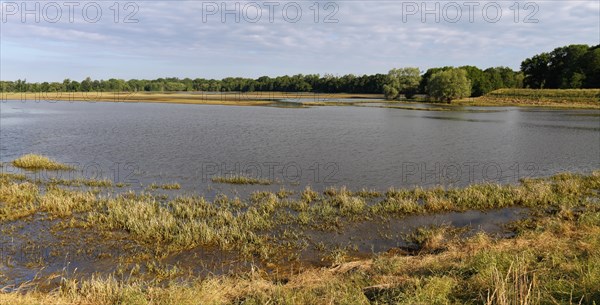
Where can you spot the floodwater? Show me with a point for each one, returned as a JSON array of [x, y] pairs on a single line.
[[359, 147], [139, 143]]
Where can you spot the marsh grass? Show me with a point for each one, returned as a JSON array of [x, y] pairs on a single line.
[[39, 162], [61, 203], [12, 176], [166, 186], [517, 285], [240, 179], [17, 200], [82, 182], [538, 266], [552, 257]]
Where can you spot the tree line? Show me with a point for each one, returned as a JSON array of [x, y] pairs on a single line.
[[573, 66], [296, 83], [569, 67]]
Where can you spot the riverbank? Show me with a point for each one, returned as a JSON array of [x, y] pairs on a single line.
[[551, 98], [107, 245], [554, 98], [201, 98]]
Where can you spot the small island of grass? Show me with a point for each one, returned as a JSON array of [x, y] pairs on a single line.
[[39, 162], [240, 179]]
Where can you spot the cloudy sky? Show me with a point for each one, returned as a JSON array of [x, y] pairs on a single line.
[[203, 38]]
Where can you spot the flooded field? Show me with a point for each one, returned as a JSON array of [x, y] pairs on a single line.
[[357, 147], [88, 193]]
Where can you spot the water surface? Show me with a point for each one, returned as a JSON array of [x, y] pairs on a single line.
[[369, 147]]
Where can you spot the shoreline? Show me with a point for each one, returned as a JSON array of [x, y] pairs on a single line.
[[274, 99]]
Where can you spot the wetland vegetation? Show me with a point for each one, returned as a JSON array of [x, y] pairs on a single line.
[[288, 240], [240, 179], [38, 162], [82, 240]]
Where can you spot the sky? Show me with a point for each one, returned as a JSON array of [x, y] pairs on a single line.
[[51, 41]]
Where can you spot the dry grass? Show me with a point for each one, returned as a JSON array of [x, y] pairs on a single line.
[[516, 286], [39, 162], [17, 200]]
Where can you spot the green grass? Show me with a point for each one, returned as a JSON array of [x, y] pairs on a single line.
[[240, 179], [569, 98], [591, 95], [39, 162]]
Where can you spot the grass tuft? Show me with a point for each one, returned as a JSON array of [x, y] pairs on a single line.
[[166, 186], [39, 162], [240, 179]]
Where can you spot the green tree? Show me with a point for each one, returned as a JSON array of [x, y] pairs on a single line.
[[591, 68], [86, 84], [390, 92], [535, 70], [425, 78], [479, 80], [449, 85], [402, 81], [573, 66]]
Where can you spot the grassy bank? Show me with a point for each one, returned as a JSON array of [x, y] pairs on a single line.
[[550, 257], [560, 98]]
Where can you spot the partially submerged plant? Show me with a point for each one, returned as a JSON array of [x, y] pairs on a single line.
[[240, 179], [39, 162]]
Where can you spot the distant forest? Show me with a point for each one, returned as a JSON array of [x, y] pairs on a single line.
[[569, 67]]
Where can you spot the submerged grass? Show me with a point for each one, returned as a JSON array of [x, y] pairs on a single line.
[[538, 266], [82, 182], [552, 258], [39, 162], [166, 186], [240, 179]]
